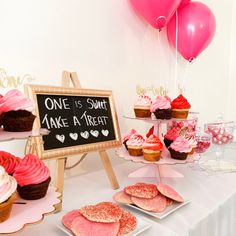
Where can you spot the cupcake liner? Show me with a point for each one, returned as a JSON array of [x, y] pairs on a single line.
[[179, 113], [18, 121], [34, 191], [151, 156], [178, 155], [142, 113], [135, 151], [6, 207], [163, 114]]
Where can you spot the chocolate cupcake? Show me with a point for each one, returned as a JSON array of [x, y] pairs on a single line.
[[161, 107], [180, 148], [170, 136], [33, 178], [15, 112]]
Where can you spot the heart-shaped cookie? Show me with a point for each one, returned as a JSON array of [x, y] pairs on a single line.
[[106, 212]]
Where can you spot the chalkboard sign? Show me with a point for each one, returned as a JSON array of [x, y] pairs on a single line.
[[79, 120]]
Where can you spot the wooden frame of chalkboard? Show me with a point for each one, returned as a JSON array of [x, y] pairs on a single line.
[[79, 120]]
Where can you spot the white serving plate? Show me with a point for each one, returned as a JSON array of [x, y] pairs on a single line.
[[170, 209], [142, 225]]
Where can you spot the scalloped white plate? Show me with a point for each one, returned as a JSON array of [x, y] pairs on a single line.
[[6, 136], [161, 215], [31, 212]]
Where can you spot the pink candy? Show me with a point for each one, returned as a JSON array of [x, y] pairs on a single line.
[[202, 146], [219, 135]]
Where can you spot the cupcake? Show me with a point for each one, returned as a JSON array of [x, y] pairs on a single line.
[[180, 148], [127, 137], [33, 178], [170, 136], [180, 107], [135, 145], [142, 107], [192, 141], [15, 112], [161, 107], [9, 162], [7, 194], [152, 148]]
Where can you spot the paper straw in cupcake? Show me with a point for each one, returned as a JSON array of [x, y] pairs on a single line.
[[8, 186], [33, 178], [16, 112]]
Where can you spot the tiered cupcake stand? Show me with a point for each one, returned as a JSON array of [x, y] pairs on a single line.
[[26, 212], [161, 168]]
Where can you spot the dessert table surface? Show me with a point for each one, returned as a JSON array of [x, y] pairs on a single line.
[[211, 212]]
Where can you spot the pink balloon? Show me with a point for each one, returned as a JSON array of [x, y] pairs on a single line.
[[183, 3], [156, 12], [196, 29]]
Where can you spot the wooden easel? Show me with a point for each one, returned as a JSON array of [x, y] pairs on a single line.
[[67, 79]]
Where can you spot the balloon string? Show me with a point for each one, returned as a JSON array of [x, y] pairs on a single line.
[[186, 68], [176, 51], [162, 55]]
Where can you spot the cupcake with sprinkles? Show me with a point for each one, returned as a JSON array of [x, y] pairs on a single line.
[[135, 144], [142, 107], [127, 136]]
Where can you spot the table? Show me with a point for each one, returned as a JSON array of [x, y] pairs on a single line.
[[212, 211]]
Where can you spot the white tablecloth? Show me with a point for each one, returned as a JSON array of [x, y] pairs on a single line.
[[212, 211]]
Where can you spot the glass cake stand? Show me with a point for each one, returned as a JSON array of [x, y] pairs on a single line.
[[158, 169]]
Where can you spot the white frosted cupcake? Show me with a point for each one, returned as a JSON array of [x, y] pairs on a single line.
[[8, 187]]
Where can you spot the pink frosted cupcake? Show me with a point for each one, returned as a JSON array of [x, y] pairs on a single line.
[[161, 107], [180, 148], [15, 112], [7, 194], [33, 178], [127, 136], [9, 162], [135, 144], [142, 107], [170, 136]]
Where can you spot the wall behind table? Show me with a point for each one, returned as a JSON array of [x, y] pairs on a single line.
[[111, 48]]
